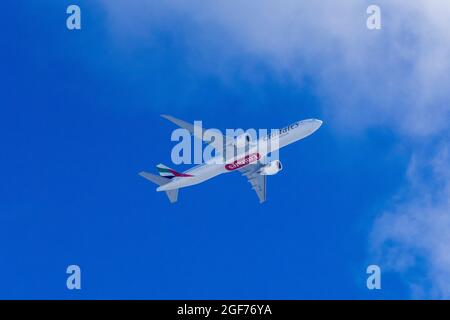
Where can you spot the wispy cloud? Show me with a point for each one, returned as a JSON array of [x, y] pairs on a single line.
[[396, 77], [413, 237]]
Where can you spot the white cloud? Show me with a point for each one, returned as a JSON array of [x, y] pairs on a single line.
[[414, 237], [396, 77]]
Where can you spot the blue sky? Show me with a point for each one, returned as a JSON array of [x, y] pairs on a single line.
[[80, 118]]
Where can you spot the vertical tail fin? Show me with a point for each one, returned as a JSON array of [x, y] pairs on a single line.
[[166, 172]]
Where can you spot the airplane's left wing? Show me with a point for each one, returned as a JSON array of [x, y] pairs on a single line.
[[196, 133], [257, 180]]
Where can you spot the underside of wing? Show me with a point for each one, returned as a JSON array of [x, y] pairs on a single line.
[[257, 180]]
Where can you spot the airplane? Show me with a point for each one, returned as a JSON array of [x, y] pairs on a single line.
[[248, 159]]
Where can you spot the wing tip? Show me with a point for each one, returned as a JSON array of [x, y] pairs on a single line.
[[142, 173]]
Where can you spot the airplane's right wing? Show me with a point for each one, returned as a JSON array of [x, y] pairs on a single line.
[[257, 180]]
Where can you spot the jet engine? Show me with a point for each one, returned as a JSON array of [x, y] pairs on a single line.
[[243, 140], [273, 167]]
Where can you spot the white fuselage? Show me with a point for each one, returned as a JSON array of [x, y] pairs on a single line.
[[283, 137]]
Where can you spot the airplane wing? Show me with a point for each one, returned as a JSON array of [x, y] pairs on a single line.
[[196, 133], [257, 180]]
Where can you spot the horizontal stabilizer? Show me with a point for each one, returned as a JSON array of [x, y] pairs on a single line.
[[171, 194], [154, 178]]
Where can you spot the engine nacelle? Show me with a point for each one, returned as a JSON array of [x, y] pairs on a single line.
[[243, 140], [273, 167]]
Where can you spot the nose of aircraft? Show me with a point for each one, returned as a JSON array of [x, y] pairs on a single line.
[[316, 124]]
